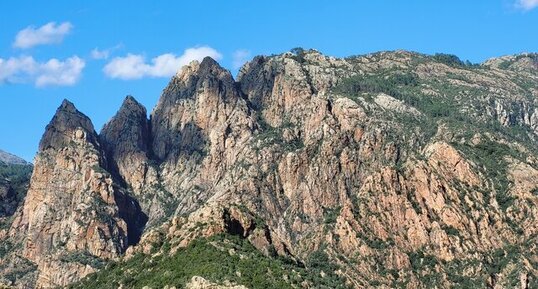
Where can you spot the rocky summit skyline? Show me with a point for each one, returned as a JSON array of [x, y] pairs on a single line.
[[269, 145], [386, 170], [8, 158], [96, 52]]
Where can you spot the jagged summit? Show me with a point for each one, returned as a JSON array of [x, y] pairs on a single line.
[[129, 127], [67, 106], [208, 61], [67, 122], [130, 105], [125, 139], [200, 97], [209, 67], [85, 211], [130, 100]]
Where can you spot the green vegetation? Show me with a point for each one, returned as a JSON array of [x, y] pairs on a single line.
[[83, 258], [320, 261], [5, 248], [216, 259], [451, 230], [331, 214], [23, 268], [453, 60], [384, 82], [459, 107], [99, 169], [402, 85], [448, 59], [15, 172], [18, 177], [424, 265], [379, 244], [504, 263], [506, 64], [299, 54], [419, 260], [414, 203], [490, 156], [500, 258], [455, 272], [274, 136]]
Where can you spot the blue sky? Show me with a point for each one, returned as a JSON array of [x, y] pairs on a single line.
[[96, 52]]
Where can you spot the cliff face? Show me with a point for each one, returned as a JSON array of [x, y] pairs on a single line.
[[199, 128], [73, 206], [400, 169], [126, 142]]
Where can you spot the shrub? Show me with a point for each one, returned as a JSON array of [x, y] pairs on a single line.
[[330, 215], [299, 54], [448, 59], [83, 258]]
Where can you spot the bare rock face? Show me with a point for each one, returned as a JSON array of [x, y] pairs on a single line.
[[202, 98], [127, 143], [73, 206], [199, 127], [125, 139]]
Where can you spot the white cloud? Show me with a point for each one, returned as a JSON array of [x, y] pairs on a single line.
[[55, 72], [134, 66], [128, 67], [47, 34], [240, 57], [100, 54], [97, 53], [16, 69], [26, 69], [527, 4]]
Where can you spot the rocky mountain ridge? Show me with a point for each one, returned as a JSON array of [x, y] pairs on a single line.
[[402, 170], [8, 158]]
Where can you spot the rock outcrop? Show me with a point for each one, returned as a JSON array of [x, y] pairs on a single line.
[[125, 139], [199, 128], [73, 206]]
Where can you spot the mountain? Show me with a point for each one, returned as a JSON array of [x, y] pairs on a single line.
[[388, 170], [8, 158], [14, 180], [72, 207]]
